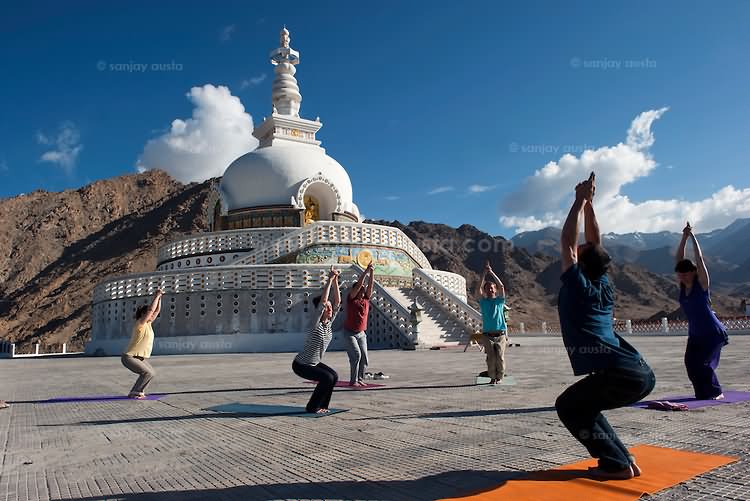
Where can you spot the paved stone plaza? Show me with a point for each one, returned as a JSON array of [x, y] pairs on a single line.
[[429, 433]]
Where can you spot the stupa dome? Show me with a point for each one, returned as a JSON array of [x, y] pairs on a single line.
[[273, 175]]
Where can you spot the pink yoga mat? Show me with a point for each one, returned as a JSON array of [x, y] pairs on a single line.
[[730, 397], [344, 384]]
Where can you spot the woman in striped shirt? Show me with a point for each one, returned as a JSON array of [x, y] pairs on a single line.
[[307, 364]]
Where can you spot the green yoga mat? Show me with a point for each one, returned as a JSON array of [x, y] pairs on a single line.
[[485, 381], [269, 410]]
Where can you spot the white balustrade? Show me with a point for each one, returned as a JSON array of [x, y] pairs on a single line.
[[335, 232], [297, 276], [220, 241], [214, 279]]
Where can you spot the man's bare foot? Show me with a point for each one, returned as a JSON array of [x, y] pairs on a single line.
[[493, 381], [599, 474], [321, 411], [718, 397], [498, 381], [3, 404]]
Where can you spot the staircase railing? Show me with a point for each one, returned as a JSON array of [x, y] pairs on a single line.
[[447, 300], [451, 281], [390, 308], [335, 232]]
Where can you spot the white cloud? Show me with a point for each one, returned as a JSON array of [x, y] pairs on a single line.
[[481, 188], [543, 199], [640, 136], [440, 189], [227, 32], [252, 82], [4, 166], [65, 146], [202, 147], [392, 197]]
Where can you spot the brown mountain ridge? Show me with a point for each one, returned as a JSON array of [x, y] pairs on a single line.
[[60, 245]]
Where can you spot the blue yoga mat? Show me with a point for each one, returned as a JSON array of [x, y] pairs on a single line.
[[269, 410]]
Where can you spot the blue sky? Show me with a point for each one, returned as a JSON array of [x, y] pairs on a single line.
[[414, 96]]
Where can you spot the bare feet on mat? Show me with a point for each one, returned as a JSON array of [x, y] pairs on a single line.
[[137, 396], [321, 411], [493, 381], [599, 474], [3, 404], [718, 397]]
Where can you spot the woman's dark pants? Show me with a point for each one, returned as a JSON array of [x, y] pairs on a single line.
[[326, 378], [701, 361]]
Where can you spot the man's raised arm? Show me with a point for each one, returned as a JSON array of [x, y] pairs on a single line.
[[569, 234]]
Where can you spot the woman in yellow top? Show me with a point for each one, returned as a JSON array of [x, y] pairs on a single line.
[[141, 343]]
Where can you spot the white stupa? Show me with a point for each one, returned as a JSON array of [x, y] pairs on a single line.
[[280, 217], [289, 169]]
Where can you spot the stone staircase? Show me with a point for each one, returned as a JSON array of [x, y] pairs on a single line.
[[437, 328]]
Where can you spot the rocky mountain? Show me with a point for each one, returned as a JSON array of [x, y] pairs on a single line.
[[532, 280], [727, 250], [60, 245], [642, 241]]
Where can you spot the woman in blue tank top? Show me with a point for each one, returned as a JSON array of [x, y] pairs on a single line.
[[706, 334]]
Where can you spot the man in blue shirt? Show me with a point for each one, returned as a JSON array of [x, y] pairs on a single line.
[[494, 330], [617, 375]]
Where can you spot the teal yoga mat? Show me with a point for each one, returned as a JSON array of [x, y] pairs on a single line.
[[269, 410]]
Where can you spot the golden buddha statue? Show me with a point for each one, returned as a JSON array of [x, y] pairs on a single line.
[[312, 209]]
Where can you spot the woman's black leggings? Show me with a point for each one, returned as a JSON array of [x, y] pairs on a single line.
[[326, 378]]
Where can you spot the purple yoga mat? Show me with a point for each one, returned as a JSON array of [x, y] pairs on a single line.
[[345, 384], [730, 397], [99, 398]]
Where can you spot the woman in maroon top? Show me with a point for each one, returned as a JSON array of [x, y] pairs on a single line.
[[355, 325]]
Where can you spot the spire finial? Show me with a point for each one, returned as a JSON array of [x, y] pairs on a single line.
[[284, 38], [286, 97]]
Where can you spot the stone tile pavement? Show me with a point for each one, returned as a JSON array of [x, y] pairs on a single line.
[[429, 433]]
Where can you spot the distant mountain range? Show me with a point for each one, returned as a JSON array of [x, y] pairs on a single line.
[[727, 251], [60, 245]]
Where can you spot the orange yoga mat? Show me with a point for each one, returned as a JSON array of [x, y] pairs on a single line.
[[662, 468]]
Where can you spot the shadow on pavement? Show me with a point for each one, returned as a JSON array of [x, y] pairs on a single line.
[[291, 389], [442, 485]]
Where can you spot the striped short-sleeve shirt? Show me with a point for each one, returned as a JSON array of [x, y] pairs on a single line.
[[317, 341]]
